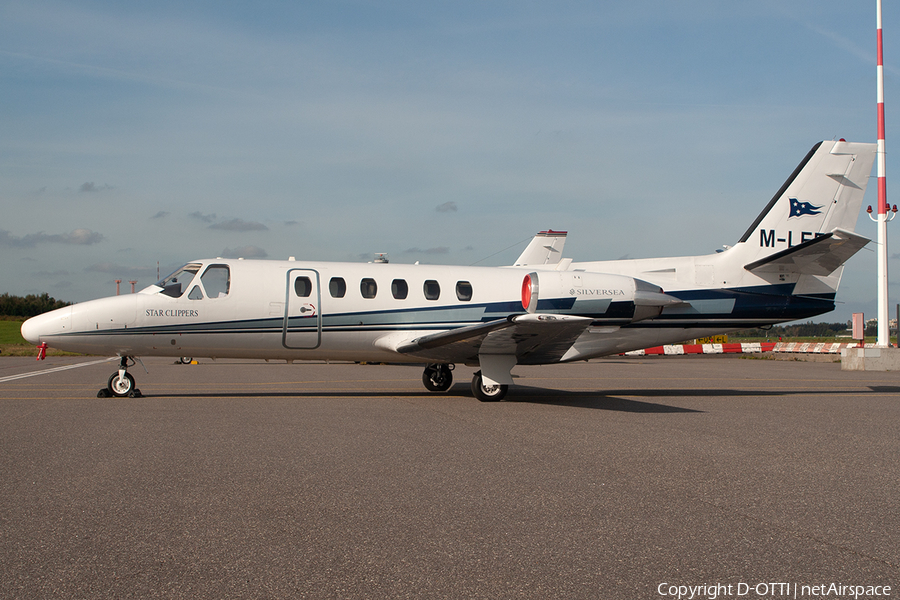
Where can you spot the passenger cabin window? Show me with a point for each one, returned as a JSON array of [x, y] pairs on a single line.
[[432, 290], [368, 288], [464, 290], [216, 281], [399, 289], [338, 287], [303, 287], [177, 283]]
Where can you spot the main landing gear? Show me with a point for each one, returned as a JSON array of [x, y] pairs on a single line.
[[487, 393], [121, 383], [439, 378]]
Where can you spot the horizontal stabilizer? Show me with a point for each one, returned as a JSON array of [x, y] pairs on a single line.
[[544, 249], [531, 338], [819, 256]]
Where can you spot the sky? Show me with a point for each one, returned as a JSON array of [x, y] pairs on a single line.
[[137, 136]]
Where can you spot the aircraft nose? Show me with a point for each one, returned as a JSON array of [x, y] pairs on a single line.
[[31, 330], [38, 329]]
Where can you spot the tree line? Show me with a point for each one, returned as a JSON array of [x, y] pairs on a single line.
[[795, 330], [28, 306]]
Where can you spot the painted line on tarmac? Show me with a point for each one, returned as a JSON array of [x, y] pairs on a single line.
[[56, 369]]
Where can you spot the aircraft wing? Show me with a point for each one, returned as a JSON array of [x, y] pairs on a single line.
[[819, 256], [532, 338]]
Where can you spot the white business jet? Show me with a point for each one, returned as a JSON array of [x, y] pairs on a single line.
[[543, 309]]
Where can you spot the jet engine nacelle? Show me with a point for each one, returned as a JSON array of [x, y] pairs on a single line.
[[593, 294]]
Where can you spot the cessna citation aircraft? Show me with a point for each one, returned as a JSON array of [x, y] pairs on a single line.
[[543, 309]]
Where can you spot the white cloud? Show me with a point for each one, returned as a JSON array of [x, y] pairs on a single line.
[[78, 237], [90, 186], [239, 225], [201, 217]]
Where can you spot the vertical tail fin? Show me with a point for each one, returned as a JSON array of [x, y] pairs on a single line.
[[824, 193], [545, 249], [805, 234]]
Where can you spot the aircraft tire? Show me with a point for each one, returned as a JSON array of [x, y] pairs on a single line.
[[437, 378], [120, 387], [494, 393]]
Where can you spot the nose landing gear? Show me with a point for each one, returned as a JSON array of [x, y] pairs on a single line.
[[438, 377], [121, 383]]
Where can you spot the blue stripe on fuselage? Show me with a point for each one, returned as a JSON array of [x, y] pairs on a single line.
[[774, 303], [738, 306]]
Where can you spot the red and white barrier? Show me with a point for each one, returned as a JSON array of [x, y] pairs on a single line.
[[816, 347], [746, 348], [731, 348]]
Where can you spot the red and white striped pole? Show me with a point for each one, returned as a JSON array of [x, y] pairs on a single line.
[[883, 340]]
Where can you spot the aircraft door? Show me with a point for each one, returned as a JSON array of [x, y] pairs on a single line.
[[302, 329]]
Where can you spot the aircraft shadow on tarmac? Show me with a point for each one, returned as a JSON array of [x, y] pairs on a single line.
[[885, 389], [598, 401], [579, 399], [610, 400]]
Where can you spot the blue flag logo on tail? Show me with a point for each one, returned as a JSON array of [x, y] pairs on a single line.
[[798, 209]]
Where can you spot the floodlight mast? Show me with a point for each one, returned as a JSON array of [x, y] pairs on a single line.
[[884, 339]]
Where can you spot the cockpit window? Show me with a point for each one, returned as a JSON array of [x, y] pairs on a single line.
[[175, 284], [216, 281]]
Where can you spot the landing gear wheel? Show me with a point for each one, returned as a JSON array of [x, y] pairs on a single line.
[[120, 385], [438, 378], [487, 393]]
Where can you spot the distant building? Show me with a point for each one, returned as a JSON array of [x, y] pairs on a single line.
[[892, 323]]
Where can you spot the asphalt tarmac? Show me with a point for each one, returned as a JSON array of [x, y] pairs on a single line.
[[620, 478]]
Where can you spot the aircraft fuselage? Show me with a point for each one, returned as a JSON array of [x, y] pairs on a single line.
[[544, 309]]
